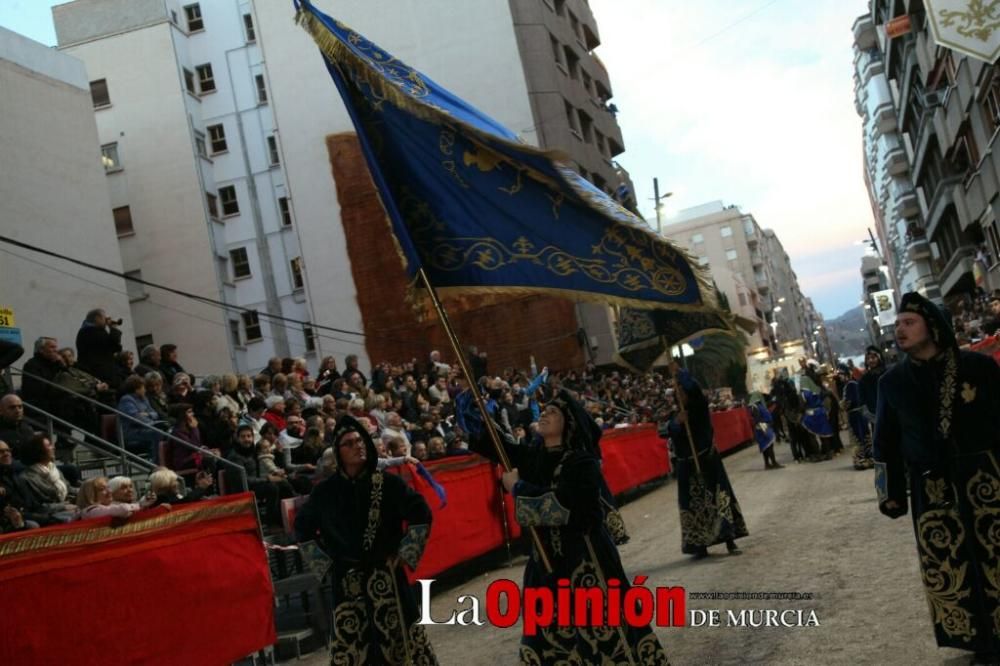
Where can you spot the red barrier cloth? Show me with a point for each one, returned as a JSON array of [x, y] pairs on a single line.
[[471, 523], [989, 346], [732, 427], [187, 586], [633, 456]]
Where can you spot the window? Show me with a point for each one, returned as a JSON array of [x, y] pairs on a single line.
[[213, 205], [206, 80], [261, 89], [199, 144], [234, 332], [572, 63], [285, 208], [240, 262], [561, 7], [726, 232], [251, 326], [574, 123], [143, 340], [136, 290], [697, 238], [189, 81], [586, 127], [991, 104], [310, 336], [248, 26], [731, 255], [557, 50], [217, 136], [297, 280], [173, 17], [99, 93], [123, 221], [272, 150], [109, 157], [193, 15], [230, 204], [574, 24]]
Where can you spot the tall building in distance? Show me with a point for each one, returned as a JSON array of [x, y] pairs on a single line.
[[225, 147], [936, 114], [754, 273], [53, 196]]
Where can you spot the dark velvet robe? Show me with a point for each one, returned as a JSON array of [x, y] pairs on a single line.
[[360, 524], [559, 493], [938, 423], [710, 513], [857, 426]]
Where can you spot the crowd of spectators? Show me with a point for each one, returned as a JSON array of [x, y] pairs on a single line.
[[273, 427], [975, 317]]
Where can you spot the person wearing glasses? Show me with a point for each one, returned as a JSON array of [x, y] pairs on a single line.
[[358, 516]]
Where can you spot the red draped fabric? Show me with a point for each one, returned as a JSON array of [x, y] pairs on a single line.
[[989, 346], [472, 523], [633, 456], [187, 586], [732, 428]]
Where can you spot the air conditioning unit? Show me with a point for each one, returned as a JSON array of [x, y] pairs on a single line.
[[935, 97]]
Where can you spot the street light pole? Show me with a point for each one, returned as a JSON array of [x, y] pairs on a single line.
[[656, 203]]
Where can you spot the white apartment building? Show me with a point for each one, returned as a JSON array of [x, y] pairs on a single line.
[[194, 167], [887, 157], [52, 195], [215, 117]]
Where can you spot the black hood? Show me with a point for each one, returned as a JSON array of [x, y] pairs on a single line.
[[937, 324], [580, 431], [346, 424], [872, 349]]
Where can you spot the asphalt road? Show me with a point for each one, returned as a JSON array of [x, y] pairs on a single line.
[[814, 528]]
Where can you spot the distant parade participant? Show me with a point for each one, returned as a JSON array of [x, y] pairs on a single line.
[[857, 425], [868, 384], [710, 514], [368, 522], [814, 416], [938, 431], [556, 483], [802, 442], [763, 433]]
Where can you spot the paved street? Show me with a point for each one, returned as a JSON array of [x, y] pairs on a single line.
[[813, 528]]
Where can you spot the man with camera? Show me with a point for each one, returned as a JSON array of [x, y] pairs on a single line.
[[97, 342]]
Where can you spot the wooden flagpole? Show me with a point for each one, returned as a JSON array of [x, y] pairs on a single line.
[[474, 388]]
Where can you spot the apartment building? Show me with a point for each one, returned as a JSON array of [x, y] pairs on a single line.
[[221, 127], [943, 109], [53, 196]]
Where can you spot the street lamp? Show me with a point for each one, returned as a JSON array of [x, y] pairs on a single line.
[[656, 199]]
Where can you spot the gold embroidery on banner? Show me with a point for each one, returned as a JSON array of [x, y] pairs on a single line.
[[940, 535], [979, 19], [137, 525], [983, 492], [374, 511]]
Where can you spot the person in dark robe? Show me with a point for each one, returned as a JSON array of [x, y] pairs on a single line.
[[559, 490], [937, 431], [710, 513], [857, 425], [802, 442], [358, 516], [814, 415], [763, 432], [875, 367]]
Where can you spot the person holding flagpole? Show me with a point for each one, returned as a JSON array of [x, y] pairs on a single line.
[[710, 513]]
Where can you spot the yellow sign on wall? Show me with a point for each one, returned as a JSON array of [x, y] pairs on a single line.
[[7, 317]]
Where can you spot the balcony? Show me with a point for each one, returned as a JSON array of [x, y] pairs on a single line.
[[865, 36], [957, 274], [881, 110], [891, 146], [763, 287], [904, 197], [868, 64], [943, 196], [918, 250]]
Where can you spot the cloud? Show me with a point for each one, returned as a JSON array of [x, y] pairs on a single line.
[[760, 115]]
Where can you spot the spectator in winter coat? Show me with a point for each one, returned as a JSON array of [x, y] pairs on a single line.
[[97, 342]]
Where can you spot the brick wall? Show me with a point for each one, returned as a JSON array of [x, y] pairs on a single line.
[[508, 329]]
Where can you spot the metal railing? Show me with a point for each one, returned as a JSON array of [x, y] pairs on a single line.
[[119, 449]]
